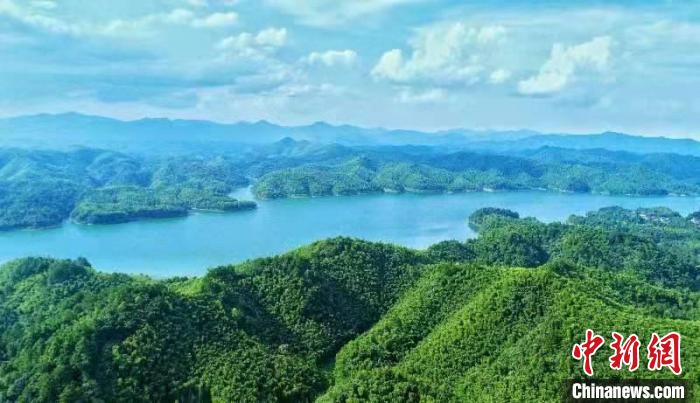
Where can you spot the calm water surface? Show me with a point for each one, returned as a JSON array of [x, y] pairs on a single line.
[[190, 245]]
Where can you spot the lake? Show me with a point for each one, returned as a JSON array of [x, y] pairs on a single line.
[[190, 245]]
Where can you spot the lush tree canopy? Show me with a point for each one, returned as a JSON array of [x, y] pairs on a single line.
[[347, 320], [43, 188]]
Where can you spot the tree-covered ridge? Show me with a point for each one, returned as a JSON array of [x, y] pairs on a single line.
[[341, 170], [506, 337], [261, 331], [43, 188], [472, 172], [347, 320]]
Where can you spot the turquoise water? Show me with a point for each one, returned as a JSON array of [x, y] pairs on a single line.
[[190, 245]]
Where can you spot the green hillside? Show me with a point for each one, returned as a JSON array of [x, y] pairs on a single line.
[[466, 333], [44, 188], [491, 319]]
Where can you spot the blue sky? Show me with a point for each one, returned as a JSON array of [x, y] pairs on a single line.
[[426, 64]]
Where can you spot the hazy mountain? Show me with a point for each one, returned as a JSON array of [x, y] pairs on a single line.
[[168, 135], [608, 140], [72, 129]]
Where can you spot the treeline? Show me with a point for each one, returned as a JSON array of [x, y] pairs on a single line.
[[489, 319]]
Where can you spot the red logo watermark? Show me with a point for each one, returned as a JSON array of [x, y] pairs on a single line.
[[662, 352], [626, 352], [665, 352]]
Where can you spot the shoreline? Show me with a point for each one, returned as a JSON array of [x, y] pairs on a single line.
[[361, 194]]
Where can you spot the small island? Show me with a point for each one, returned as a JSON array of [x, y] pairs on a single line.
[[124, 204]]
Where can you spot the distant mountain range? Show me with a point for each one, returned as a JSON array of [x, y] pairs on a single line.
[[172, 136]]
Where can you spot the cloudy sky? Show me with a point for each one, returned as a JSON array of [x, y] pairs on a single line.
[[571, 66]]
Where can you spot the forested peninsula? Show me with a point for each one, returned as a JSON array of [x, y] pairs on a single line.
[[44, 188], [343, 320]]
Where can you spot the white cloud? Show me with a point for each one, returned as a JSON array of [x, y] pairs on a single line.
[[390, 65], [177, 16], [442, 54], [32, 18], [274, 37], [499, 76], [296, 90], [332, 58], [490, 34], [408, 95], [270, 37], [564, 63], [216, 20], [251, 45], [146, 24], [333, 12]]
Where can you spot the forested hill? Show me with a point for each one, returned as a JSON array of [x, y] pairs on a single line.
[[343, 320], [44, 188], [357, 170]]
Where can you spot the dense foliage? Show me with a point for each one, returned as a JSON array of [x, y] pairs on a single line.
[[43, 188], [493, 318], [36, 204], [398, 170]]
